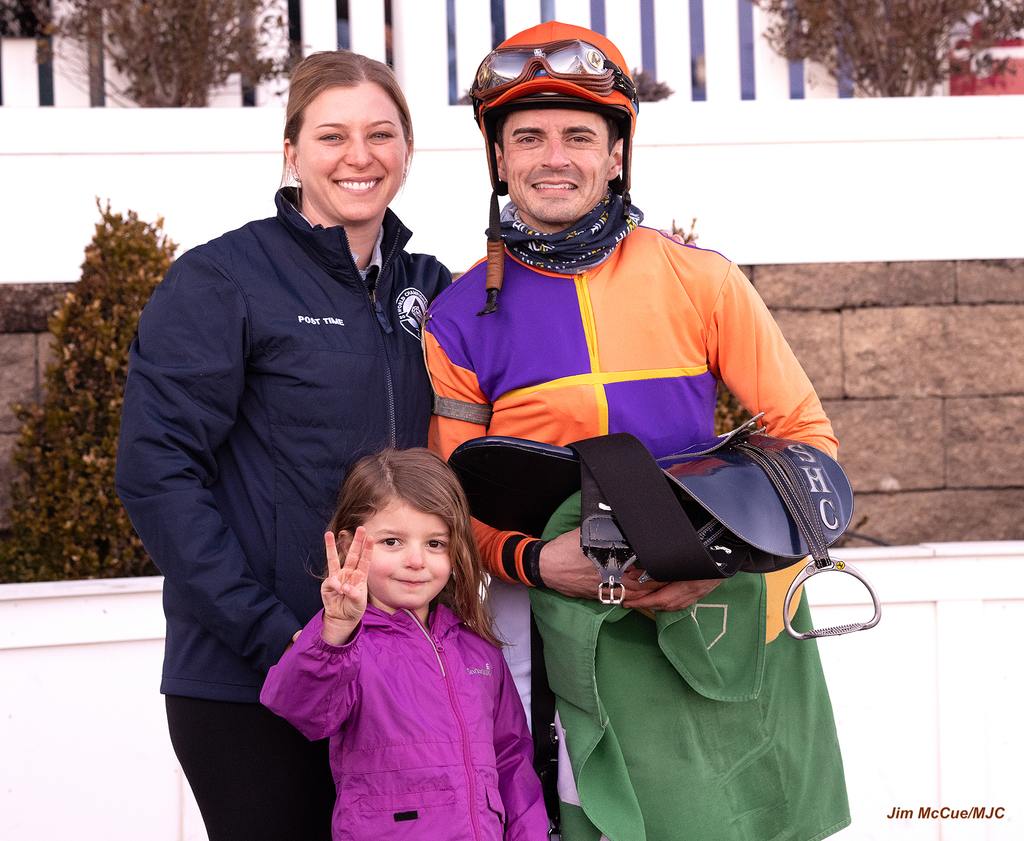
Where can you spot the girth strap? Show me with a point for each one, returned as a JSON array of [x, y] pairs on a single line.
[[654, 523]]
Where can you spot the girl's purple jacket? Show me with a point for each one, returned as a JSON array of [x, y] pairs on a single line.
[[428, 735]]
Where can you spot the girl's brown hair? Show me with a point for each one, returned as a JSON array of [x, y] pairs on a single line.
[[422, 480], [339, 68]]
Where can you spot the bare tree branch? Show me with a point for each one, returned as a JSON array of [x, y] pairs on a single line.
[[172, 52], [893, 47]]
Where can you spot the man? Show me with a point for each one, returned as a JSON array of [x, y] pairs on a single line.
[[590, 325]]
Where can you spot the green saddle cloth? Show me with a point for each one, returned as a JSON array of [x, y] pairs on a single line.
[[690, 726]]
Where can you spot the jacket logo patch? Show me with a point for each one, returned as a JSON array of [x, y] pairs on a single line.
[[485, 671], [411, 305], [323, 319]]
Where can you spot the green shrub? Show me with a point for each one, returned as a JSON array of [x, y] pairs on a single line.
[[66, 519]]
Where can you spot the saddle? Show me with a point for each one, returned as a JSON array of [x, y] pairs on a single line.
[[742, 502]]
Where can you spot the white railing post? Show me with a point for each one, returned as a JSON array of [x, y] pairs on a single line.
[[472, 40], [70, 67], [818, 84], [672, 47], [520, 15], [622, 26], [576, 12], [20, 72], [70, 74], [319, 25], [722, 50], [366, 28], [419, 37], [274, 91], [771, 70]]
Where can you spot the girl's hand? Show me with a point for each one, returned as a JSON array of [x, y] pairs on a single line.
[[344, 590]]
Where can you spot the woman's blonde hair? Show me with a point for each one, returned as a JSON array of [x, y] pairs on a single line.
[[420, 479], [339, 68]]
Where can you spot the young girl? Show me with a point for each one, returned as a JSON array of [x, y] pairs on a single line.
[[428, 738]]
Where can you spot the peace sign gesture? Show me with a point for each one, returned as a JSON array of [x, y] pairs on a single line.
[[344, 590]]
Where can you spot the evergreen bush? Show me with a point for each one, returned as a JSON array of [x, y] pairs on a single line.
[[66, 519]]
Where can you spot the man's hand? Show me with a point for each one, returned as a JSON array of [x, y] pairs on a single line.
[[661, 596], [565, 568]]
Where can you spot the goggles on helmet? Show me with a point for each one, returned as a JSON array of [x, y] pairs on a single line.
[[573, 61]]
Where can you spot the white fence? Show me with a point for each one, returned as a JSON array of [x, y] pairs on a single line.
[[709, 49], [926, 703], [820, 180], [775, 180]]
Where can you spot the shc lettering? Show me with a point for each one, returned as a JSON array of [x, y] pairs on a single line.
[[827, 512], [816, 478]]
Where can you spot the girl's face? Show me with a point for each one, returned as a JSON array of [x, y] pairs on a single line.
[[410, 563], [350, 156]]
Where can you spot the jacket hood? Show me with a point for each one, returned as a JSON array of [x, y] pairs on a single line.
[[442, 620]]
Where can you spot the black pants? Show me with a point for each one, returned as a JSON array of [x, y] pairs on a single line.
[[254, 776]]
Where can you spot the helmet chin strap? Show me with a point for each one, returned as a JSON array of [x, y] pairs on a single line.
[[495, 272], [495, 275]]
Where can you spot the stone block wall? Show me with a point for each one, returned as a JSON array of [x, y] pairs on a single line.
[[25, 351], [920, 366]]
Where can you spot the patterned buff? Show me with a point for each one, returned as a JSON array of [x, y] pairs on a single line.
[[585, 244]]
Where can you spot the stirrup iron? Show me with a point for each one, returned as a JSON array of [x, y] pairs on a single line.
[[813, 568]]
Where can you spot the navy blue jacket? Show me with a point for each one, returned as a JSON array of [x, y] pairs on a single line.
[[263, 367]]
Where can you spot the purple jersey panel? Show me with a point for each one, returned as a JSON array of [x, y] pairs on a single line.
[[665, 414], [533, 337]]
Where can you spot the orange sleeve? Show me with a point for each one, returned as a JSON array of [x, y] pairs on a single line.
[[450, 380], [453, 381], [747, 351]]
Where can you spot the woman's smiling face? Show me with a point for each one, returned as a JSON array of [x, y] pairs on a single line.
[[350, 156]]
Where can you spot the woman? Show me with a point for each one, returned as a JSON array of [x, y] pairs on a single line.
[[268, 361]]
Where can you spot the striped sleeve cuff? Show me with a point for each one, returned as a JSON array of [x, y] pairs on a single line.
[[520, 559]]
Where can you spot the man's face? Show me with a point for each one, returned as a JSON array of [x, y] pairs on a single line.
[[557, 164]]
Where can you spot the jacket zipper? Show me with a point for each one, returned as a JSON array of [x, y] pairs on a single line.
[[430, 640], [467, 759], [378, 312], [384, 328]]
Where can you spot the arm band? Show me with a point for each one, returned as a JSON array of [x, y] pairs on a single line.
[[531, 562], [520, 559]]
